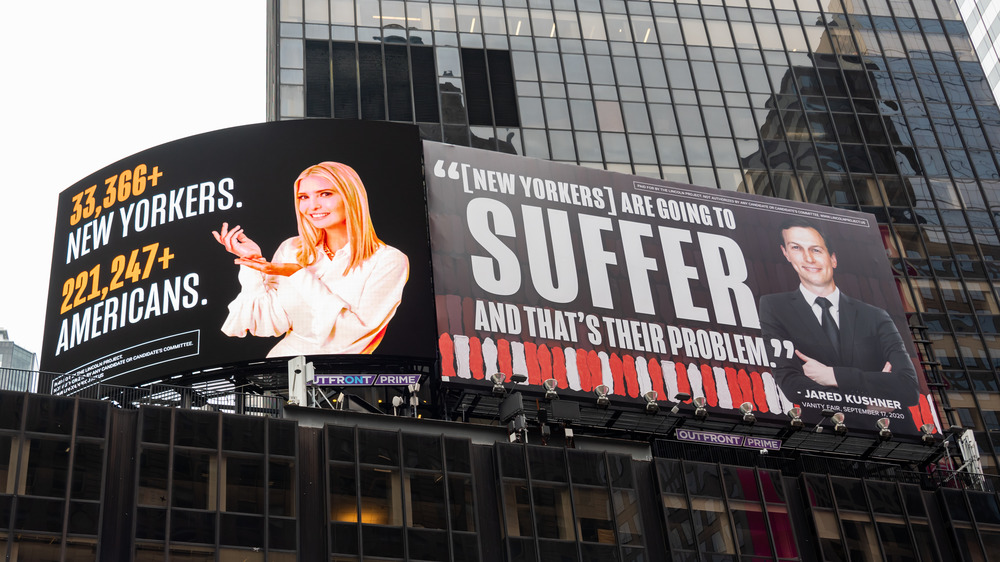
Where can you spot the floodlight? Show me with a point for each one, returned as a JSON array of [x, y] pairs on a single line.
[[550, 389], [838, 423], [796, 414], [699, 408], [883, 429], [601, 391], [746, 409], [928, 433], [651, 406], [498, 380]]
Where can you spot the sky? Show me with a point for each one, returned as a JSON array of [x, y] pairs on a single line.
[[88, 83]]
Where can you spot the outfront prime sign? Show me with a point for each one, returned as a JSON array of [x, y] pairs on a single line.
[[728, 439], [590, 277], [365, 380]]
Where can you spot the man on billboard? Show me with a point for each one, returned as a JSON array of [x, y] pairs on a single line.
[[847, 353], [330, 290]]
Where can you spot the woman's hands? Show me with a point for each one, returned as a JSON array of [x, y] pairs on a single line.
[[237, 243], [248, 253], [264, 266]]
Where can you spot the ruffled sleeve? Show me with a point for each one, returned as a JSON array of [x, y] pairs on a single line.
[[352, 310], [256, 309]]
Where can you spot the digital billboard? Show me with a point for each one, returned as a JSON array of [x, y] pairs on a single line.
[[271, 240], [590, 277]]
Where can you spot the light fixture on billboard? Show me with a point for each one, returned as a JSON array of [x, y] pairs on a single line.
[[826, 413], [838, 423], [518, 378], [679, 397], [700, 411], [397, 401], [498, 379], [928, 434], [601, 391], [746, 409], [651, 406], [550, 389], [883, 429], [796, 414]]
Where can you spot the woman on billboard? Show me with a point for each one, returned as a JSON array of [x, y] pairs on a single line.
[[330, 290]]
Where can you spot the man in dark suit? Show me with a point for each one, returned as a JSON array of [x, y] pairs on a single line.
[[847, 352]]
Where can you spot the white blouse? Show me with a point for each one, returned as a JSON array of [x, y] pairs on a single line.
[[318, 309]]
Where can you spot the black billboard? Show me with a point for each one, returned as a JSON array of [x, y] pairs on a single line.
[[595, 278], [270, 240]]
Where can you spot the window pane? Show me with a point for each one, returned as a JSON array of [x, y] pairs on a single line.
[[553, 511], [425, 492], [380, 497]]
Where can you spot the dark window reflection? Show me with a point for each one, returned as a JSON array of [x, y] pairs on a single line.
[[191, 476], [463, 516], [196, 429], [48, 468], [88, 474], [49, 414], [426, 496], [155, 425], [245, 489], [192, 526]]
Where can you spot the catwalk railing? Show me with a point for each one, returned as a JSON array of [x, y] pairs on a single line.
[[941, 474], [205, 398]]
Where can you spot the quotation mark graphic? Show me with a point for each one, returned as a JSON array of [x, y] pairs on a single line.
[[452, 170]]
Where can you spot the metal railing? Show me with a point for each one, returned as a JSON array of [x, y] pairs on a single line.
[[200, 397], [795, 463]]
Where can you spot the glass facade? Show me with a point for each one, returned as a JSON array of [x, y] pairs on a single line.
[[207, 484], [16, 364], [53, 455], [874, 105], [983, 20]]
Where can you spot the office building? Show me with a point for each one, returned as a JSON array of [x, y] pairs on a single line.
[[16, 364], [84, 480], [870, 105], [984, 29]]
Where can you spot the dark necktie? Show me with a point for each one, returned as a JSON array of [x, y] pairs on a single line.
[[829, 325]]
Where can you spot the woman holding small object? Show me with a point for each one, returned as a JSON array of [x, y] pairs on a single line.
[[330, 290]]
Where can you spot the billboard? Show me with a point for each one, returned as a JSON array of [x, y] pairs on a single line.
[[591, 277], [212, 250]]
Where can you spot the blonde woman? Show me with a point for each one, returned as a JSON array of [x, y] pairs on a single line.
[[331, 289]]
